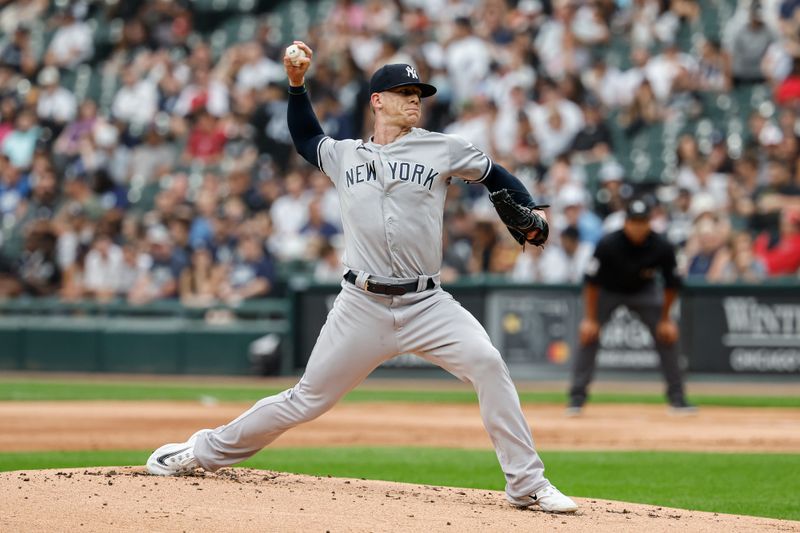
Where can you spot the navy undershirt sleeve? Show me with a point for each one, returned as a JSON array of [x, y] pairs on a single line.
[[303, 125], [499, 178]]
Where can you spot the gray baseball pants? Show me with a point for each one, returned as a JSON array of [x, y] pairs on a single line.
[[362, 331], [647, 305]]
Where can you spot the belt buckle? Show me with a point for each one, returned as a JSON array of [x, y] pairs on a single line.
[[367, 285]]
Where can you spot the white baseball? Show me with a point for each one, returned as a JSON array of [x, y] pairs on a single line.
[[294, 53]]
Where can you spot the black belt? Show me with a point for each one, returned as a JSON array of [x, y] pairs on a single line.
[[385, 288]]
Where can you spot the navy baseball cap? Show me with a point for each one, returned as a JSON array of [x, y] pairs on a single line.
[[398, 75], [638, 209]]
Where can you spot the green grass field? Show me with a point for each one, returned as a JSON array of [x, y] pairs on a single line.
[[759, 485], [44, 390]]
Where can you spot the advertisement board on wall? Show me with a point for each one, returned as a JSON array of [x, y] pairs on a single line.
[[745, 333], [533, 327], [541, 327]]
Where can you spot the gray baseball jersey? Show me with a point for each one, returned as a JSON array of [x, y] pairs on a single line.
[[392, 197]]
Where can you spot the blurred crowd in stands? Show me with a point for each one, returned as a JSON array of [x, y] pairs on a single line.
[[184, 182]]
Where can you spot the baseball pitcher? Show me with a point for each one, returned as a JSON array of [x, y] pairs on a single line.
[[392, 190]]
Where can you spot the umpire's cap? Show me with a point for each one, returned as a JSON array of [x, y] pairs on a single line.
[[398, 75], [638, 209]]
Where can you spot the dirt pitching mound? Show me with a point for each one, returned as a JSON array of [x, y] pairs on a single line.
[[127, 499]]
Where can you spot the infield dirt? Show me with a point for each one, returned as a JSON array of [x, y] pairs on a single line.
[[105, 425], [126, 499]]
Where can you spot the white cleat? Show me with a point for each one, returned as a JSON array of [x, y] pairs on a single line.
[[548, 499], [174, 459]]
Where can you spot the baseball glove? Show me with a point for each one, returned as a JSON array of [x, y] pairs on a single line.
[[520, 219]]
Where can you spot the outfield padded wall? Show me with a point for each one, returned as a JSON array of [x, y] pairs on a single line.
[[127, 345]]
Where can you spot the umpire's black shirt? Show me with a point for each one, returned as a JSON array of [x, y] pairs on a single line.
[[619, 265]]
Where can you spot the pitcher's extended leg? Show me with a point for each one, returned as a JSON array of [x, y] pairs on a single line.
[[355, 339]]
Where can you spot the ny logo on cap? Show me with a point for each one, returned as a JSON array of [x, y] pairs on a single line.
[[411, 72]]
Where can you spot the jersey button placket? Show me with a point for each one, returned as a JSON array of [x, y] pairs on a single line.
[[389, 220]]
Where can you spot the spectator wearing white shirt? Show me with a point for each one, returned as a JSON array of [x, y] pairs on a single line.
[[652, 22], [72, 43], [589, 27], [714, 68], [630, 80], [324, 191], [605, 82], [257, 70], [528, 266], [55, 106], [328, 268], [703, 180], [560, 41], [102, 268], [467, 59], [506, 128], [555, 121], [566, 262], [662, 69], [475, 124], [289, 214], [20, 13], [136, 102]]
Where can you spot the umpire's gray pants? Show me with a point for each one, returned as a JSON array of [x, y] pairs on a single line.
[[362, 331], [647, 305]]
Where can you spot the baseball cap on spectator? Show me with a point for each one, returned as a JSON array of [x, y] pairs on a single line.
[[529, 7], [105, 135], [463, 21], [611, 171], [638, 210], [158, 235], [702, 203], [48, 76], [571, 232], [770, 135], [571, 195], [398, 75]]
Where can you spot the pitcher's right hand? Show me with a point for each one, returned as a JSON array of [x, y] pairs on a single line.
[[297, 73]]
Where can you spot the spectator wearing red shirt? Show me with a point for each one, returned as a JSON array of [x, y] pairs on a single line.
[[206, 139], [783, 258], [788, 91]]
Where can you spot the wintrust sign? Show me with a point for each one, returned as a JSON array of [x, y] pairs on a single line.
[[762, 337]]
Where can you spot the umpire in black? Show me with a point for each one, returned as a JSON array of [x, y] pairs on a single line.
[[624, 271]]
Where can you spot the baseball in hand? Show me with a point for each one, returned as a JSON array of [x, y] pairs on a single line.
[[294, 53]]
